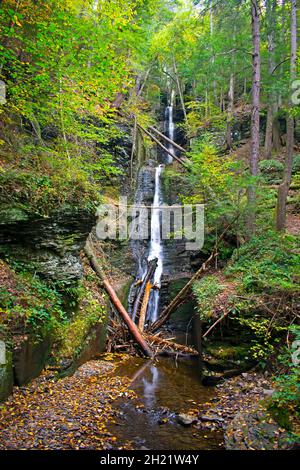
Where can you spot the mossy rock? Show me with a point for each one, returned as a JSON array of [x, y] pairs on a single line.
[[11, 214]]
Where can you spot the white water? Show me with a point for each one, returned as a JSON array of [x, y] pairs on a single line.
[[156, 248], [169, 126]]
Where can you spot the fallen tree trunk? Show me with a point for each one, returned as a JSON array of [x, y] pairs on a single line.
[[140, 340], [167, 312], [167, 139], [152, 265], [182, 162], [175, 347], [215, 324], [144, 306], [180, 298]]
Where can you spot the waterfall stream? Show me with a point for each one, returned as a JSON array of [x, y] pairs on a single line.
[[156, 245]]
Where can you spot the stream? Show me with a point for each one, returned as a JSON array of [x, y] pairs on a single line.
[[164, 388]]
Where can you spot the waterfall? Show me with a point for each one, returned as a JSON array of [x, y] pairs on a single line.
[[169, 126], [156, 245], [156, 249]]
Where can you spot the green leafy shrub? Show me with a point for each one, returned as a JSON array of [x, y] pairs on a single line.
[[205, 292], [271, 170], [268, 263], [285, 402], [296, 164]]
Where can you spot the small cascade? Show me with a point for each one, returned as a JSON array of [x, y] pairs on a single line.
[[169, 125], [156, 248]]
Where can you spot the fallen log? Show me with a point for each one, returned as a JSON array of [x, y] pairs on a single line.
[[215, 324], [170, 141], [152, 137], [140, 340], [175, 347], [152, 265], [180, 298], [144, 306], [167, 312]]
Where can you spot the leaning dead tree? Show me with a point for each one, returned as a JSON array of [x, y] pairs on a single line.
[[132, 327], [152, 265], [165, 149]]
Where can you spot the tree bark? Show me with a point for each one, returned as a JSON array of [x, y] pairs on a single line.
[[255, 121], [116, 302], [179, 89], [271, 25], [152, 265], [161, 145], [285, 186], [230, 112], [144, 306]]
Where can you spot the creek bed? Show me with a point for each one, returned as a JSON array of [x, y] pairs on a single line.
[[164, 388]]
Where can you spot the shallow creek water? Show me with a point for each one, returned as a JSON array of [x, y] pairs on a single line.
[[164, 388]]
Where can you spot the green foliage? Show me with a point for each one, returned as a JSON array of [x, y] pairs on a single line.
[[296, 164], [285, 402], [30, 304], [205, 292], [268, 263], [271, 170]]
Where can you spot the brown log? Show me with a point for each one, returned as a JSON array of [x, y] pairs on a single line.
[[182, 162], [140, 340], [215, 324], [152, 265], [167, 139], [144, 306], [167, 312], [166, 343]]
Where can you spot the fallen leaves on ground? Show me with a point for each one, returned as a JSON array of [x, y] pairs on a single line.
[[70, 413]]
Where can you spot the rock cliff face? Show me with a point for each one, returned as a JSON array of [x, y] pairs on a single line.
[[50, 246]]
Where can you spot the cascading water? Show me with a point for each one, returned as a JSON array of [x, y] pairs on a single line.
[[156, 248], [169, 126]]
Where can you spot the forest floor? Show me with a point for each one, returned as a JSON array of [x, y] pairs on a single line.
[[241, 409], [70, 413]]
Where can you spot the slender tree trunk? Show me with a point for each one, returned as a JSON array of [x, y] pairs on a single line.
[[179, 89], [254, 155], [285, 185], [230, 112], [271, 19]]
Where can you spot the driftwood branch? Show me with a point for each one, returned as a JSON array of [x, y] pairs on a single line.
[[144, 306], [140, 340]]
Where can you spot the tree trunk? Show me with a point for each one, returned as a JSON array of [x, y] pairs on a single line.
[[284, 187], [254, 155], [152, 265], [230, 112], [116, 302], [179, 89], [271, 25], [144, 306]]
